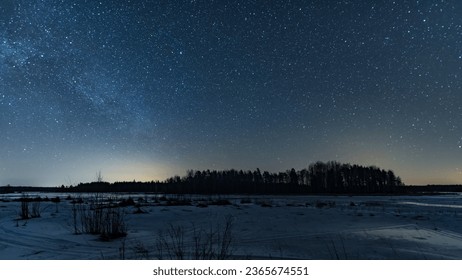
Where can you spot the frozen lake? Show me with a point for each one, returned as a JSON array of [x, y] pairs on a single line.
[[263, 227]]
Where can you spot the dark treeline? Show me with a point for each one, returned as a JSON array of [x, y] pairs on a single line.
[[434, 189], [319, 178], [12, 189], [331, 177]]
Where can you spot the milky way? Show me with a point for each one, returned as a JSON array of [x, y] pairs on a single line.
[[148, 89]]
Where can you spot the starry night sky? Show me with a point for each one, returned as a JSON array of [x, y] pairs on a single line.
[[148, 89]]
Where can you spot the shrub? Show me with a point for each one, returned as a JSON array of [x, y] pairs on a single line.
[[30, 208], [127, 202], [214, 243], [178, 202], [35, 209], [25, 201], [220, 202], [56, 201], [113, 224], [99, 218]]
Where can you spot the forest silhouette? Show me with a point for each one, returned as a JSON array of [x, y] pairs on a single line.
[[319, 177]]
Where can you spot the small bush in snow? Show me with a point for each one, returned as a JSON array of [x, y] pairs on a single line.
[[25, 201], [35, 213], [99, 217], [215, 243]]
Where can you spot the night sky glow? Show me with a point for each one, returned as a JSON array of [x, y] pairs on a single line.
[[148, 89]]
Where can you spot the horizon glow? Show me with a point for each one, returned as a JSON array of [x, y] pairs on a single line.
[[147, 90]]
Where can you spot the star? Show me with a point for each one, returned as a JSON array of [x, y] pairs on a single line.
[[169, 87]]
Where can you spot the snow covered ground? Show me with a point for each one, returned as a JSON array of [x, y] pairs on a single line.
[[264, 227]]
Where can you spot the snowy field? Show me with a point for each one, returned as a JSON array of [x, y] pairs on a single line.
[[266, 227]]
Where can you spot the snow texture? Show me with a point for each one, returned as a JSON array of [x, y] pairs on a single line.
[[264, 227]]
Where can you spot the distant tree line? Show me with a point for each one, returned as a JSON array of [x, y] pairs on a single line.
[[329, 178], [319, 177]]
